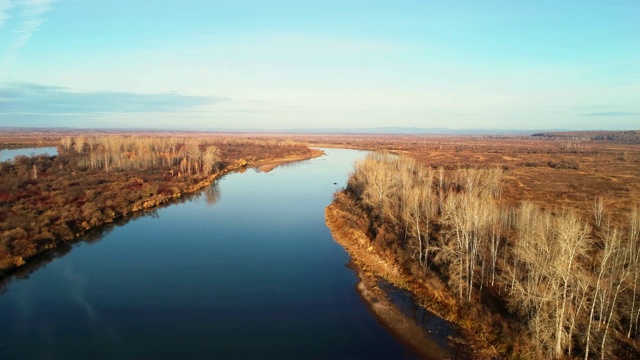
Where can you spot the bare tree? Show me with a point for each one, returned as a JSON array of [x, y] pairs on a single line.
[[66, 142], [379, 183], [78, 144], [548, 287], [495, 237], [441, 189], [618, 273], [572, 245], [419, 211], [634, 256], [598, 210], [210, 159]]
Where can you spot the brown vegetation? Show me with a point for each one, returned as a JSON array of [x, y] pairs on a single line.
[[629, 137], [548, 172], [528, 281], [94, 180]]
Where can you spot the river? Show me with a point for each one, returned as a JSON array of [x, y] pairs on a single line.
[[246, 269], [10, 154]]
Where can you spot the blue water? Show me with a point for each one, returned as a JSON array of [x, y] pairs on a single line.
[[247, 269], [12, 153], [440, 330]]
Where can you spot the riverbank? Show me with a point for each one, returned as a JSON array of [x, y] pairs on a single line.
[[369, 264], [402, 326], [268, 165]]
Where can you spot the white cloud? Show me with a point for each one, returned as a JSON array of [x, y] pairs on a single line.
[[32, 12], [5, 6], [35, 8], [28, 17]]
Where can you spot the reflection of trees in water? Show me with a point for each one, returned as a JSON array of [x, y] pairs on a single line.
[[290, 164], [33, 265], [212, 194], [284, 165]]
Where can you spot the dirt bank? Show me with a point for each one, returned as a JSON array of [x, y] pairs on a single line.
[[395, 321], [368, 265], [268, 165]]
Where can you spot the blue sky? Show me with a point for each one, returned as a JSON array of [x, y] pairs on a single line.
[[320, 64]]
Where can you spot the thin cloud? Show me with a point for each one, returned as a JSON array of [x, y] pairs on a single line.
[[27, 98], [5, 5], [32, 18], [612, 113], [27, 18], [36, 7]]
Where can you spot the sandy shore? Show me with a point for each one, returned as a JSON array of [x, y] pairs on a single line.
[[268, 165]]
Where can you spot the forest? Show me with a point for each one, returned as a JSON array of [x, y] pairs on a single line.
[[532, 282], [46, 201]]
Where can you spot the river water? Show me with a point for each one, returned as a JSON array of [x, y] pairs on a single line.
[[246, 269], [9, 154]]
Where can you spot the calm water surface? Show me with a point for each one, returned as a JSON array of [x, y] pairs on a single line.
[[12, 153], [247, 269]]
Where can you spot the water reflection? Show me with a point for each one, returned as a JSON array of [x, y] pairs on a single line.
[[212, 194], [91, 237], [440, 329]]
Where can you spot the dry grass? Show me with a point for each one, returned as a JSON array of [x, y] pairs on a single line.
[[551, 173]]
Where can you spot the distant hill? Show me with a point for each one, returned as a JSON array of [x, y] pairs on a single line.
[[623, 137], [372, 130], [408, 130], [630, 136]]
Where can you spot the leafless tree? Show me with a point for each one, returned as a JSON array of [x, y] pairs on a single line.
[[598, 210], [78, 144]]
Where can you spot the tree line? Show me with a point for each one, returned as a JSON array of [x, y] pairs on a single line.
[[190, 155], [572, 283]]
